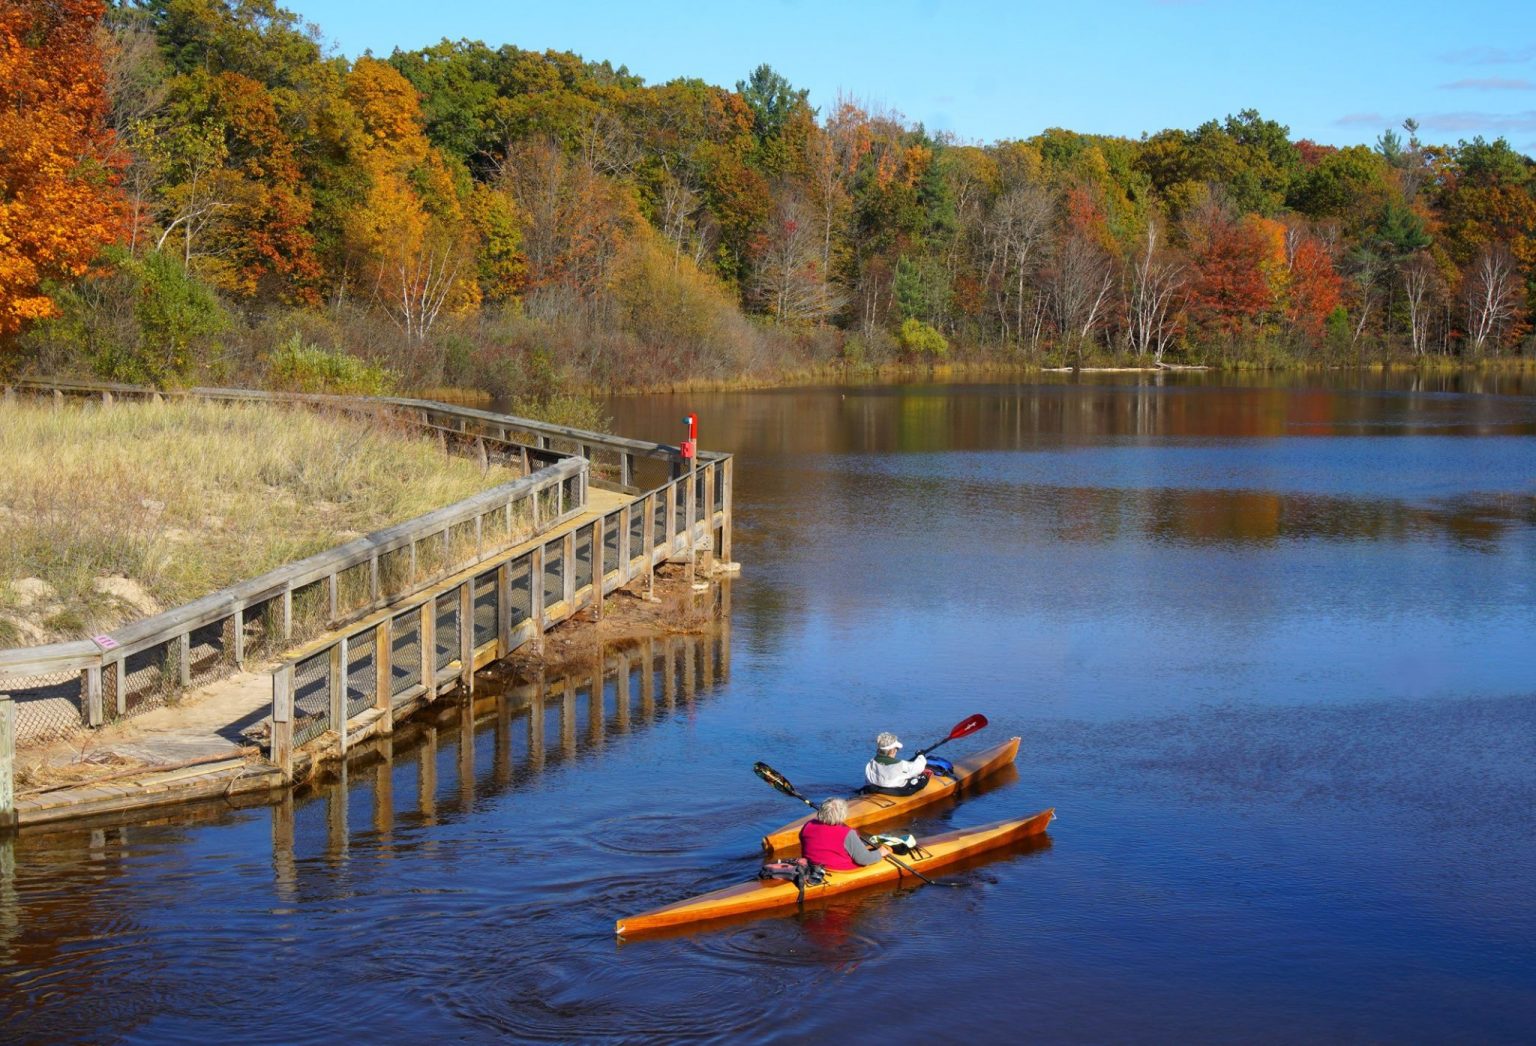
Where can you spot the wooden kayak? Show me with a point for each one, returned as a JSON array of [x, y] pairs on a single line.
[[761, 895], [872, 809]]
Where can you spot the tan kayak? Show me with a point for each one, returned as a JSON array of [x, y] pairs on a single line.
[[771, 894], [873, 809]]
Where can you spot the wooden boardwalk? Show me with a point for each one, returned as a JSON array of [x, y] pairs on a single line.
[[202, 744]]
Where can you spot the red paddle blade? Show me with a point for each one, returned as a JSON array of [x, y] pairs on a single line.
[[967, 726]]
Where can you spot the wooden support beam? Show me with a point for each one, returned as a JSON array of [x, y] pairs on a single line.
[[90, 683], [626, 557], [282, 720], [7, 762], [568, 569], [710, 476], [428, 629], [383, 654], [237, 621], [725, 510], [338, 679], [467, 634], [599, 535], [119, 670], [671, 529], [503, 610], [536, 595], [184, 659]]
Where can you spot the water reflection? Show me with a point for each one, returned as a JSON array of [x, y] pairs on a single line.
[[67, 918]]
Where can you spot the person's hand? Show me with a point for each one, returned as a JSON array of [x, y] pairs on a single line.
[[885, 851]]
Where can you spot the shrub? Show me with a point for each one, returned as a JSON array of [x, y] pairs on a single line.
[[300, 367], [919, 339]]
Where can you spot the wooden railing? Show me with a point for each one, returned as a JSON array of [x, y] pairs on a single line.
[[354, 683]]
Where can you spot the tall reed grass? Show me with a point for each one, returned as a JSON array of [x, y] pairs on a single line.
[[185, 498]]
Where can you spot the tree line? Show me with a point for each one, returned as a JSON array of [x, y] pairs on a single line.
[[199, 188]]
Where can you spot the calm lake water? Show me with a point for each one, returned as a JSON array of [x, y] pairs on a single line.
[[1271, 649]]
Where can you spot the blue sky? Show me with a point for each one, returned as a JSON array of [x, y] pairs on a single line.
[[1337, 72]]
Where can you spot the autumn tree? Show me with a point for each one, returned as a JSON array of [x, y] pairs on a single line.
[[415, 249], [59, 198], [1230, 290]]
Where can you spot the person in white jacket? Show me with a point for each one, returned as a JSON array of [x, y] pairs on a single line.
[[890, 774]]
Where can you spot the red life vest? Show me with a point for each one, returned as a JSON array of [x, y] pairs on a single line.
[[824, 844]]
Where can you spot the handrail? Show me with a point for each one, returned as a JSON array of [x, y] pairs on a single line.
[[78, 655]]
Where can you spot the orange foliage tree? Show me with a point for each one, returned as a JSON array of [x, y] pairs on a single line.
[[1231, 287], [59, 204]]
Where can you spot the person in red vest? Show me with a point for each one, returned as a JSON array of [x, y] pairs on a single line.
[[827, 841]]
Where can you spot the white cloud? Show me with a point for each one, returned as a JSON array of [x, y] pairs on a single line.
[[1491, 83]]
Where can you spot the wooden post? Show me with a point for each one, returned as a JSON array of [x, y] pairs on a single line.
[[90, 683], [119, 669], [568, 570], [648, 533], [709, 514], [671, 528], [599, 537], [333, 585], [373, 579], [626, 469], [7, 762], [184, 659], [691, 512], [626, 557], [282, 720], [288, 614], [503, 610], [725, 509], [338, 674], [428, 630], [239, 625], [536, 594], [467, 634], [383, 687]]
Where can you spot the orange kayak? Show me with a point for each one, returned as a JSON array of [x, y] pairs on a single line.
[[766, 895], [873, 809]]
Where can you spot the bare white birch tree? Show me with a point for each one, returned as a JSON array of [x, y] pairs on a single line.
[[1156, 284], [1420, 280], [1492, 295]]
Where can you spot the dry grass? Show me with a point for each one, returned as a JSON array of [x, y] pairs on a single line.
[[185, 498]]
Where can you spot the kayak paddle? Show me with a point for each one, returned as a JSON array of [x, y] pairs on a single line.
[[967, 726], [779, 781]]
